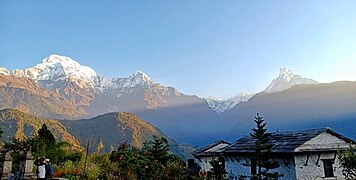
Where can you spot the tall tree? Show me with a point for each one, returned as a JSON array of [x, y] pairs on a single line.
[[262, 160], [158, 149], [46, 136], [44, 142]]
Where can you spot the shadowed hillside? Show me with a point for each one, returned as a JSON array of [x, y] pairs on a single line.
[[110, 130]]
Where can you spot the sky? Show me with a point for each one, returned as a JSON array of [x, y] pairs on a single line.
[[201, 47]]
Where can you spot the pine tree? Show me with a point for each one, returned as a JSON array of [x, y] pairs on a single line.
[[43, 141], [262, 159], [46, 136], [158, 149]]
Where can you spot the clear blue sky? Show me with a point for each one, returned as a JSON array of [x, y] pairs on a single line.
[[208, 48]]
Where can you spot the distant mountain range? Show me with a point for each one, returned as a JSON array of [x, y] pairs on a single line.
[[285, 80], [61, 88], [220, 105]]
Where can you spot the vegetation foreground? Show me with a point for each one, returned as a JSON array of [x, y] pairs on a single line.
[[152, 161]]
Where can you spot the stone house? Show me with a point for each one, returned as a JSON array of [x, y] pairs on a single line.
[[305, 154], [206, 154]]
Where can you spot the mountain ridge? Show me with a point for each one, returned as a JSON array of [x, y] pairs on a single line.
[[222, 105], [178, 115], [62, 72]]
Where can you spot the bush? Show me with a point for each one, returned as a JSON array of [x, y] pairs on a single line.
[[348, 163]]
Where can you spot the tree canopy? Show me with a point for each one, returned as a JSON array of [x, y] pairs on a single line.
[[348, 163]]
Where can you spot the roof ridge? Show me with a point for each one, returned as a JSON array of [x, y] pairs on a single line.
[[302, 130], [209, 146]]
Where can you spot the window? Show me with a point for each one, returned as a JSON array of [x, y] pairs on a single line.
[[328, 167]]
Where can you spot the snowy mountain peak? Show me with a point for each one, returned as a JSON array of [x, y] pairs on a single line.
[[220, 106], [68, 65], [138, 78], [4, 71], [56, 68], [286, 79], [135, 79], [141, 75], [286, 73], [54, 58]]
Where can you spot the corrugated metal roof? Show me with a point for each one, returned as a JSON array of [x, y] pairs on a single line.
[[284, 142]]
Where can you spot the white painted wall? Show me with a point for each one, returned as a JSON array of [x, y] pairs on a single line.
[[235, 167], [314, 168], [204, 163]]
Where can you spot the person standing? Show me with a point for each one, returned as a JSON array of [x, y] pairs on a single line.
[[41, 168], [49, 169]]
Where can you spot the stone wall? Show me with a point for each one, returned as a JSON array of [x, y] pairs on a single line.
[[7, 166], [26, 166]]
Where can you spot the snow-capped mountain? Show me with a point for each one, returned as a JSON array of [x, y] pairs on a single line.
[[4, 71], [137, 78], [56, 71], [83, 84], [137, 84], [56, 68], [220, 106], [286, 80]]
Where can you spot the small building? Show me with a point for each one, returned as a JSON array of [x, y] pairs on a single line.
[[305, 154], [207, 153]]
